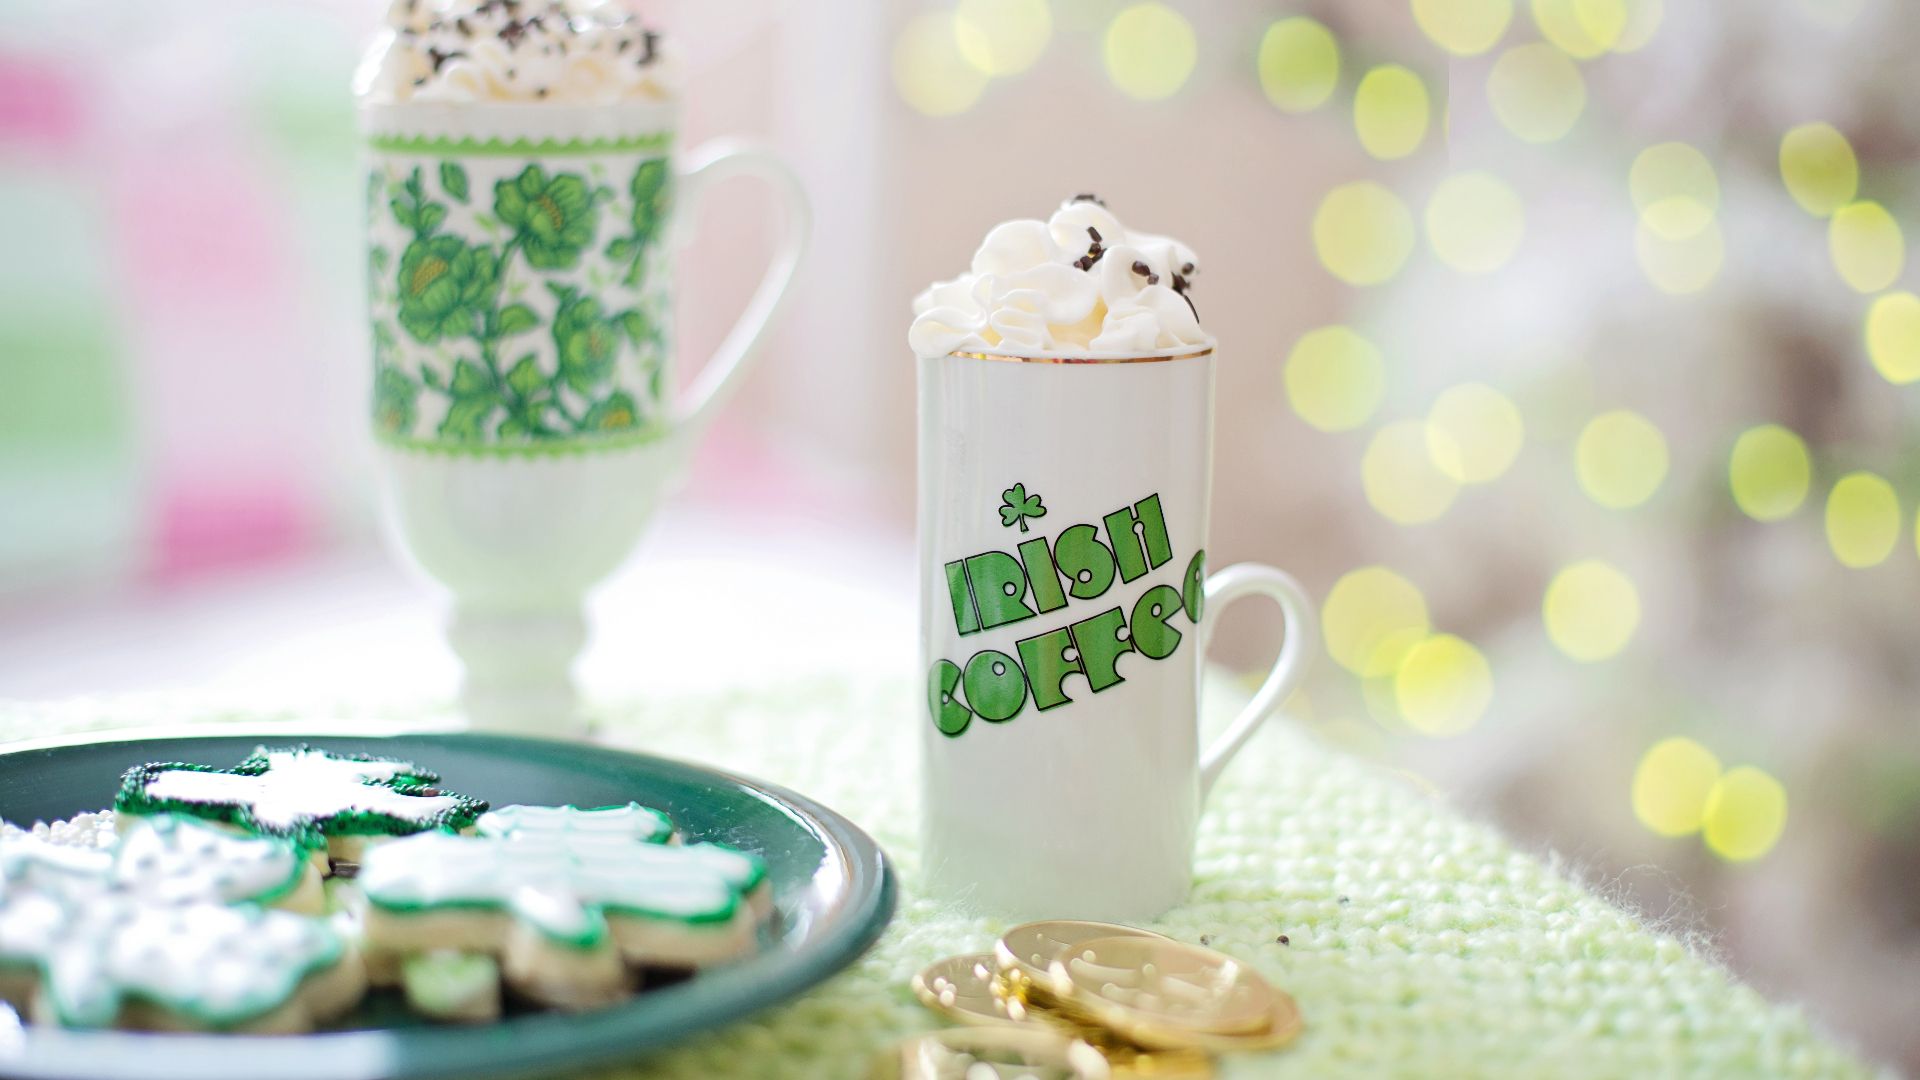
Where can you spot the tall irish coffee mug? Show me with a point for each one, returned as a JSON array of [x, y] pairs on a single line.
[[524, 397], [1065, 607]]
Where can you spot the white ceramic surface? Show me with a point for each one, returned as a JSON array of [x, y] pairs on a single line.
[[1084, 807]]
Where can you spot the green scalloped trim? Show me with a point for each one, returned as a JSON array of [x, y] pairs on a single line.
[[497, 147], [568, 447]]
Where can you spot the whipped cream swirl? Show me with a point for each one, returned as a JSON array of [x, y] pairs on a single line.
[[1079, 283], [576, 52]]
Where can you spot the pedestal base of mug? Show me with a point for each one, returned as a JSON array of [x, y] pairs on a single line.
[[519, 668]]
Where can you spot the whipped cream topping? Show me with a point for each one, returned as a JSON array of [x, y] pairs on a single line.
[[1079, 283], [576, 52]]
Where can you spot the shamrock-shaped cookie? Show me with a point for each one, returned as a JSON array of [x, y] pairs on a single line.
[[563, 902], [319, 798], [168, 931]]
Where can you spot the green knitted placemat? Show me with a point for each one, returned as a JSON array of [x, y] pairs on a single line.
[[1418, 943]]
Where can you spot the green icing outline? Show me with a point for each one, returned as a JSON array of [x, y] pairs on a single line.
[[250, 1008], [665, 836], [521, 147], [312, 833], [296, 871]]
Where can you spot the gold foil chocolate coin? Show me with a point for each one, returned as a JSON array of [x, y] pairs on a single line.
[[1025, 952], [1002, 1053], [1147, 989], [964, 989]]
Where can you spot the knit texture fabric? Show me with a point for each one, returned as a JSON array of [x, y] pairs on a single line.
[[1418, 943]]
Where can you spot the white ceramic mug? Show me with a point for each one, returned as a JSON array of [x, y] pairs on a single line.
[[525, 404], [1065, 609]]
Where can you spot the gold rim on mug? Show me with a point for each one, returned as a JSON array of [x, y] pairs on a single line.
[[1153, 359]]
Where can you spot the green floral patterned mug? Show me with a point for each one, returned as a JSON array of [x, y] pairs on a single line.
[[519, 270]]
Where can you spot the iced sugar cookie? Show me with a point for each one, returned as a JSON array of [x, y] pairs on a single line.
[[569, 901], [167, 931], [339, 801], [632, 822]]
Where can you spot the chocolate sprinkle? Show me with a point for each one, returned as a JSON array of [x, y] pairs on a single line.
[[1092, 198], [1146, 271]]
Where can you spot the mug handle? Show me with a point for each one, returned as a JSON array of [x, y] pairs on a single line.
[[1223, 588], [710, 163]]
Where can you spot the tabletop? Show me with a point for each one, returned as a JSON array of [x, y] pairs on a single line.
[[1416, 941]]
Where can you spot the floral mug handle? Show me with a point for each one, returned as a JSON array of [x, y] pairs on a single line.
[[709, 164]]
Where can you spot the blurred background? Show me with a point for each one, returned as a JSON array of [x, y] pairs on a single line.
[[1567, 356]]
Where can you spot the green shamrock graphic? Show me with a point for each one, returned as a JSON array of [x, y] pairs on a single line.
[[1019, 506], [652, 201], [394, 396], [443, 284], [552, 219]]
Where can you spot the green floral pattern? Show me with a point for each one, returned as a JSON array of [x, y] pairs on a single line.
[[515, 322]]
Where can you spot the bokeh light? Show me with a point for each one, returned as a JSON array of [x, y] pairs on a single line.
[[1002, 37], [1819, 168], [1675, 189], [1150, 51], [1863, 520], [1893, 336], [1642, 21], [1745, 814], [1372, 618], [1680, 267], [1463, 27], [1299, 64], [1473, 433], [1475, 222], [1591, 610], [1621, 459], [1334, 378], [1400, 478], [1769, 472], [1443, 686], [1581, 28], [1363, 233], [1390, 110], [1536, 92], [1671, 786], [928, 69], [1866, 245]]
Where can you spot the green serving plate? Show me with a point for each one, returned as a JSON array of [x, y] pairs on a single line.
[[833, 894]]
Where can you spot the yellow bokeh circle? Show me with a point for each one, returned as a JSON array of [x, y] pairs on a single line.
[[1399, 476], [1866, 245], [928, 69], [1582, 29], [1675, 189], [1643, 19], [1372, 618], [1680, 267], [1769, 472], [1863, 520], [1150, 51], [1443, 686], [1621, 459], [1475, 222], [1299, 64], [1334, 378], [1390, 110], [1473, 433], [1591, 610], [1819, 168], [1463, 27], [1893, 336], [1537, 93], [1672, 784], [1363, 233], [1002, 37], [1745, 814]]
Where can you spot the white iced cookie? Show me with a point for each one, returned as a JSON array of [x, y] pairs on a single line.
[[166, 931], [569, 901], [338, 802]]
